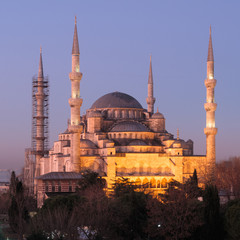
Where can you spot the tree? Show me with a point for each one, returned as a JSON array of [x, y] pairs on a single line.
[[227, 177], [129, 211], [17, 212], [232, 216], [177, 215], [90, 178], [57, 219], [213, 225]]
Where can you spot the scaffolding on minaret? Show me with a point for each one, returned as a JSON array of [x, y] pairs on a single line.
[[30, 153], [45, 85]]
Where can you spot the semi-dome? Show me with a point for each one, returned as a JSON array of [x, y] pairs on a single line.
[[128, 126], [116, 100], [157, 115], [95, 114], [85, 143], [137, 142]]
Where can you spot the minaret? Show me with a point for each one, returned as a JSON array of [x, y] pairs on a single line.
[[75, 102], [210, 107], [150, 99], [39, 116]]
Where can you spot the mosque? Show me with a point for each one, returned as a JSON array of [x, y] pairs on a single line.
[[117, 138]]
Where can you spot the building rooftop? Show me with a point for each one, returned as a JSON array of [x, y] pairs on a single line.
[[129, 126], [116, 100], [60, 176]]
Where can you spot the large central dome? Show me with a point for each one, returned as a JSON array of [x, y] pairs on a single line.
[[116, 100]]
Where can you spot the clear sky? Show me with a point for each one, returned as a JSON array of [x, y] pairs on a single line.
[[116, 39]]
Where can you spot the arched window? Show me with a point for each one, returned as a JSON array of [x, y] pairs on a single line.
[[138, 182], [145, 183], [153, 183], [158, 184], [164, 183]]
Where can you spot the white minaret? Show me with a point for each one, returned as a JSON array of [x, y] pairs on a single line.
[[210, 107], [75, 102], [39, 117], [150, 99]]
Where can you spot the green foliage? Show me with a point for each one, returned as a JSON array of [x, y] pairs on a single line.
[[129, 211], [123, 186], [68, 201], [232, 219], [17, 212], [89, 179], [191, 186], [1, 234], [213, 224], [37, 236], [13, 182], [178, 213]]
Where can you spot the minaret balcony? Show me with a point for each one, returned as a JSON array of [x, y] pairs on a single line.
[[210, 107], [75, 102], [75, 128], [75, 76], [150, 100], [210, 131], [210, 83]]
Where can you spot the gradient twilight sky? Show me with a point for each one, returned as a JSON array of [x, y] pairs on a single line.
[[116, 39]]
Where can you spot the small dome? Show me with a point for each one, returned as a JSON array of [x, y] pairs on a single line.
[[177, 144], [85, 143], [157, 115], [116, 100], [95, 114], [137, 142], [128, 126]]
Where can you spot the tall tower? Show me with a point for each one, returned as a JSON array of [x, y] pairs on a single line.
[[210, 107], [39, 143], [150, 99], [75, 102], [40, 96]]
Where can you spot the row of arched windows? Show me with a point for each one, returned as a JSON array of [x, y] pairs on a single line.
[[64, 137], [129, 135], [153, 183], [124, 114], [142, 170]]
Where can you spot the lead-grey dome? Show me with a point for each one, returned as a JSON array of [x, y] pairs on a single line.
[[128, 126], [95, 114], [137, 142], [85, 143], [116, 100]]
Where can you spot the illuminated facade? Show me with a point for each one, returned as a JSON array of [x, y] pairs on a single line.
[[117, 137]]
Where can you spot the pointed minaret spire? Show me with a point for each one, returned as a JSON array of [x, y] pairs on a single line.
[[40, 116], [40, 68], [210, 48], [75, 103], [75, 47], [210, 107], [178, 134], [150, 77], [150, 99]]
